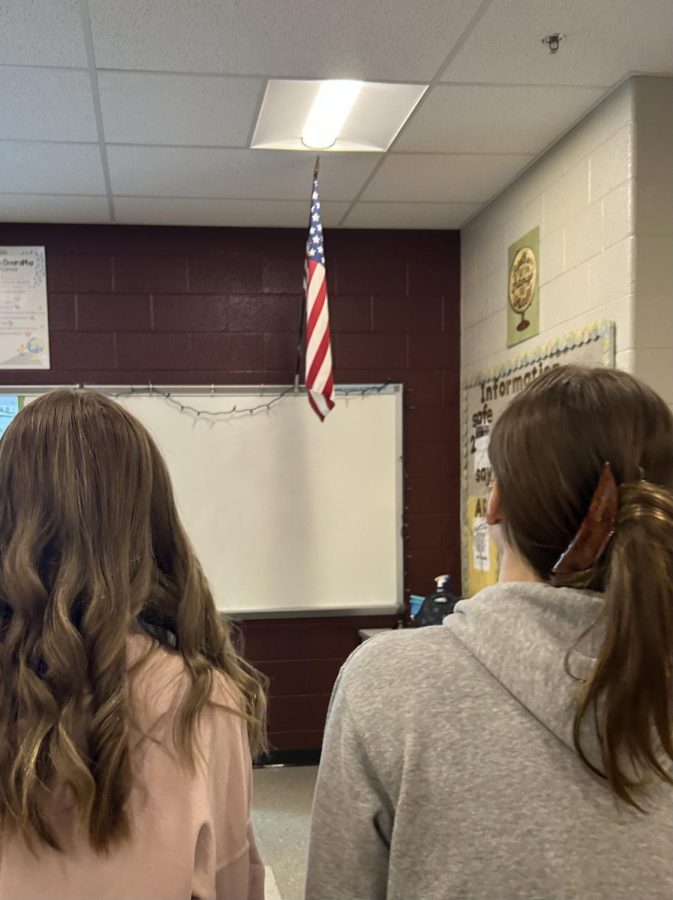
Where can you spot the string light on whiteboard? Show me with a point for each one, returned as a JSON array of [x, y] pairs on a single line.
[[209, 414], [235, 411]]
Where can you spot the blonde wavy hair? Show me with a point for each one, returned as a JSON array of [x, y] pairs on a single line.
[[90, 546]]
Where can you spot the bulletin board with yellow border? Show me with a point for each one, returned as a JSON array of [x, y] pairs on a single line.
[[485, 396]]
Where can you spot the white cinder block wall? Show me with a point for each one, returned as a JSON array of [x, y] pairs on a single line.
[[581, 194], [654, 234]]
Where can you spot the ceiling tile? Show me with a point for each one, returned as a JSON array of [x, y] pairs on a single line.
[[188, 110], [43, 208], [605, 40], [28, 167], [46, 105], [25, 39], [410, 215], [237, 213], [301, 39], [453, 178], [466, 118], [236, 174]]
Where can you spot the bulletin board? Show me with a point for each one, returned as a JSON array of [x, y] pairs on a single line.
[[485, 396]]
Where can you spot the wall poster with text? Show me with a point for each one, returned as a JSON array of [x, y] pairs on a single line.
[[24, 326]]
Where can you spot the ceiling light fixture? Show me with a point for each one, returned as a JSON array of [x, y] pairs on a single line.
[[331, 107], [293, 113]]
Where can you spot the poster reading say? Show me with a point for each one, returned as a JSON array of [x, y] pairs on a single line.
[[24, 327]]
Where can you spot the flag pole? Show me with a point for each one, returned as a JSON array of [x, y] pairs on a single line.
[[302, 316]]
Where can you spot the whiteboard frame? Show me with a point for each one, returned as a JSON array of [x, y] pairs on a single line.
[[268, 392]]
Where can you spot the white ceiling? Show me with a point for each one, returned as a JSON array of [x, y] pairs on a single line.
[[142, 111]]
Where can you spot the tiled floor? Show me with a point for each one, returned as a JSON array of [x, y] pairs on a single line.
[[281, 815]]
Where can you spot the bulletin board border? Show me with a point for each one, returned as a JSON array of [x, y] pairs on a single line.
[[603, 331]]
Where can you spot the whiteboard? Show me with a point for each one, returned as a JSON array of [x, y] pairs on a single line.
[[288, 515]]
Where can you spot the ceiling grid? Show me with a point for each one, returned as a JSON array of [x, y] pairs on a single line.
[[117, 111]]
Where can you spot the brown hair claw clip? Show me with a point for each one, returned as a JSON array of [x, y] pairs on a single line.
[[596, 529]]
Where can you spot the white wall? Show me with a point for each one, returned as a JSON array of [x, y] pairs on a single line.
[[581, 194], [602, 200], [653, 358]]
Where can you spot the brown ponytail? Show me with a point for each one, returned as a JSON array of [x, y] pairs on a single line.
[[547, 450], [632, 684]]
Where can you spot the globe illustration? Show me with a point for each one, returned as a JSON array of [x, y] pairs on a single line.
[[35, 345], [522, 283]]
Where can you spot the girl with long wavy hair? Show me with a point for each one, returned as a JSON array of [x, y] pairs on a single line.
[[127, 719], [523, 750]]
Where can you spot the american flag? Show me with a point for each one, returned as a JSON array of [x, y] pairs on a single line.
[[319, 374]]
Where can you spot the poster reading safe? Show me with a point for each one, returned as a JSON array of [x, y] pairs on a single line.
[[24, 328]]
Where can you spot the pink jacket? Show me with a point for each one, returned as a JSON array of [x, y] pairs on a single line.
[[192, 836]]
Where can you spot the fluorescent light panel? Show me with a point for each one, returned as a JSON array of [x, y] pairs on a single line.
[[334, 115], [332, 104]]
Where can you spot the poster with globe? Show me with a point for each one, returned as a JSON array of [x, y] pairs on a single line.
[[523, 288], [24, 327]]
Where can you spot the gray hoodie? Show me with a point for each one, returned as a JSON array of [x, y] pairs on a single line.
[[449, 772]]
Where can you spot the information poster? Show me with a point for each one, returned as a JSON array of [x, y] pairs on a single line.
[[481, 551], [24, 326], [484, 398]]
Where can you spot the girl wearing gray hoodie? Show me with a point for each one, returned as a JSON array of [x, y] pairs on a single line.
[[523, 750]]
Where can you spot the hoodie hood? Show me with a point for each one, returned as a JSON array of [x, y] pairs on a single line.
[[521, 632]]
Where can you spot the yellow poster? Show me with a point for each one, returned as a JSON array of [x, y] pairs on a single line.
[[482, 555]]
